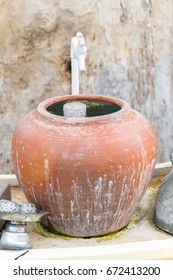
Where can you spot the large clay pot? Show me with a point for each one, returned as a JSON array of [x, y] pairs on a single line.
[[89, 173]]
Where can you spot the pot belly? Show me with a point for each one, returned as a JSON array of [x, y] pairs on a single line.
[[87, 191]]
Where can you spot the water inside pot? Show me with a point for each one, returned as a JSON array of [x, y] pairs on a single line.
[[94, 108]]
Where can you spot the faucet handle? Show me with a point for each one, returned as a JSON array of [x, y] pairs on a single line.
[[79, 50], [81, 39]]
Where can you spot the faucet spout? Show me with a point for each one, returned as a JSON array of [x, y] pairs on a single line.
[[81, 60], [81, 51]]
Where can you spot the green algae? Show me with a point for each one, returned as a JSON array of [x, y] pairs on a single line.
[[135, 218], [41, 229]]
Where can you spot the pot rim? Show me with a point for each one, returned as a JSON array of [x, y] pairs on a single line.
[[122, 113]]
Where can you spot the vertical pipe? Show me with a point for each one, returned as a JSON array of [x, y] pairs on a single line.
[[75, 76]]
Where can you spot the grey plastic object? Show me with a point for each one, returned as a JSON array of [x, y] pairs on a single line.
[[15, 235], [163, 212], [74, 109]]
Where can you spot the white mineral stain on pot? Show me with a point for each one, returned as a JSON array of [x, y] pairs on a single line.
[[87, 217], [23, 148], [101, 213], [46, 167], [42, 204], [33, 195], [48, 186], [154, 149], [79, 155], [97, 192], [110, 184], [76, 212], [65, 155], [59, 197], [18, 168], [72, 208]]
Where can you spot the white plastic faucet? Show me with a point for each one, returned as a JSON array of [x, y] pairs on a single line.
[[78, 54]]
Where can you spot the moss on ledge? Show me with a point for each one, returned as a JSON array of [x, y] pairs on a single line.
[[41, 229]]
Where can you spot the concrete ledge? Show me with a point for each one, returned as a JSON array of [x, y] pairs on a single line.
[[5, 193]]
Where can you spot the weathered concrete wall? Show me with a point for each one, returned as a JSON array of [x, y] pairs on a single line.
[[129, 56]]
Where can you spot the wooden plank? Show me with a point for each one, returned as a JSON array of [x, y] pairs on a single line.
[[9, 178], [162, 169], [144, 250]]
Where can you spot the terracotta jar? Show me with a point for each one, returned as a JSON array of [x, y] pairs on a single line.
[[89, 173]]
